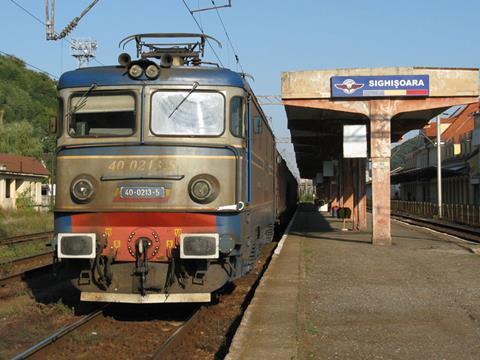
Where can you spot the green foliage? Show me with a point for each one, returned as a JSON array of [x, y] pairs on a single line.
[[25, 202], [27, 98], [20, 222], [308, 198], [20, 138]]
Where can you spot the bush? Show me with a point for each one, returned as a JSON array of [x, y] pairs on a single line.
[[25, 202]]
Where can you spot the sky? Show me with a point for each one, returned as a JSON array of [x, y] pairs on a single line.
[[269, 36]]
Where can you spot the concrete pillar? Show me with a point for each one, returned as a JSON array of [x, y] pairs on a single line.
[[362, 198], [347, 188], [380, 133]]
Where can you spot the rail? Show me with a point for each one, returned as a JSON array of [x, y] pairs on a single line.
[[25, 238], [59, 333], [31, 263], [168, 345]]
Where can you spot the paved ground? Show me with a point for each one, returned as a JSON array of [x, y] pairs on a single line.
[[332, 295]]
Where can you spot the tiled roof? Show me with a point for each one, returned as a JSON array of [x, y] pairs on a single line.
[[430, 130], [463, 124], [22, 164]]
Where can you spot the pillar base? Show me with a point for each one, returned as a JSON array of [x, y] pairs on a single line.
[[382, 241]]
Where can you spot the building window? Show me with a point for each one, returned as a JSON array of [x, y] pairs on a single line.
[[7, 188]]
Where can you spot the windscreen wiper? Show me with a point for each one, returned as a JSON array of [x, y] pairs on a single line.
[[82, 101], [195, 85]]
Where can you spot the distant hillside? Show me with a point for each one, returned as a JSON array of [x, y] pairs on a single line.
[[399, 152], [27, 100]]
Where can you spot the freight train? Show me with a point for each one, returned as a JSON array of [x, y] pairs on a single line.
[[168, 178]]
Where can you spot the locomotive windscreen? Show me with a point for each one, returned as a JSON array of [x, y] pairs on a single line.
[[175, 113], [102, 115]]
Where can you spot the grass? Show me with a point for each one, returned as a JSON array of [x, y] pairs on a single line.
[[21, 222]]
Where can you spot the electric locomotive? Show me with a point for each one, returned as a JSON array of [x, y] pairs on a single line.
[[166, 175]]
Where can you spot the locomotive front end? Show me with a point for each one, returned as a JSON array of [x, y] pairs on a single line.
[[149, 182]]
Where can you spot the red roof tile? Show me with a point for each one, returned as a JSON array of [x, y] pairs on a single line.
[[22, 164], [463, 124], [430, 130]]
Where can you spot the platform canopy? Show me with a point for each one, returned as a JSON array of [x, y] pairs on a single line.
[[319, 103]]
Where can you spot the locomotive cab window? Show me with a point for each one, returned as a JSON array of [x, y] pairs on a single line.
[[99, 115], [236, 116], [179, 113]]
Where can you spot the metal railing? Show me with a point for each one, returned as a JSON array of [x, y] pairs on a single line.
[[456, 213]]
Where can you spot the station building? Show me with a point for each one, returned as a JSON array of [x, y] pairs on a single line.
[[22, 176], [417, 180]]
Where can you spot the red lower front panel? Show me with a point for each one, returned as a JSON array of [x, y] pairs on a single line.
[[119, 233]]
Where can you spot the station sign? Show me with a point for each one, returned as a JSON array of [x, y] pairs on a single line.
[[380, 86]]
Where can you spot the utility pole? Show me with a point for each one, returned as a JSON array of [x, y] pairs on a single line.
[[439, 168]]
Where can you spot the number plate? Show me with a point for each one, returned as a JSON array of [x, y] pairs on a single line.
[[142, 192]]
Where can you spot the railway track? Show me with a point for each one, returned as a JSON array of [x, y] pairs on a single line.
[[175, 338], [20, 267], [47, 346], [51, 340], [179, 330], [25, 238], [460, 231]]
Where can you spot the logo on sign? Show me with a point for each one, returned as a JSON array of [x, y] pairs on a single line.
[[349, 86]]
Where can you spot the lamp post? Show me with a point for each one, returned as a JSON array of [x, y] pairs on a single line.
[[439, 168]]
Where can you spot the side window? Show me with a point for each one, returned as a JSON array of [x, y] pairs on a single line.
[[60, 117], [236, 116]]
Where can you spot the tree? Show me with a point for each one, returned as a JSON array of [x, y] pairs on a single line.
[[20, 138], [27, 100]]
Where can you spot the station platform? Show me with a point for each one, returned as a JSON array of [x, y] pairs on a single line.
[[330, 294]]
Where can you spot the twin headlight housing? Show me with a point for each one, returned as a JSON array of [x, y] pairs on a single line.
[[151, 71], [137, 68]]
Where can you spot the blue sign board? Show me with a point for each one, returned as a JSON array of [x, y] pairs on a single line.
[[380, 86]]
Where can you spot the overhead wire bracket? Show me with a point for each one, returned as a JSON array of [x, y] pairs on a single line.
[[50, 20], [213, 7]]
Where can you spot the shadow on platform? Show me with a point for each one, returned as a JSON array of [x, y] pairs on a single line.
[[311, 223]]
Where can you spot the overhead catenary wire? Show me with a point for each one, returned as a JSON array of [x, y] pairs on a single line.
[[203, 32], [32, 66], [32, 15], [28, 12], [235, 54]]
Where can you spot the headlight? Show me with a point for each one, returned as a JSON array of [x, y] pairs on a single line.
[[82, 190], [204, 189], [201, 189], [135, 71], [199, 246], [152, 71]]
